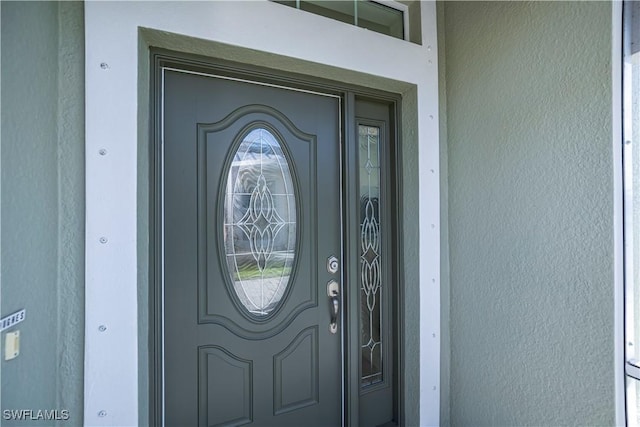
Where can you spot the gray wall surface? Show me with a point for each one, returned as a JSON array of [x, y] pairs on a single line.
[[529, 131], [42, 204], [527, 139]]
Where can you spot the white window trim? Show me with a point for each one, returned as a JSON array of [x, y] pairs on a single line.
[[111, 106]]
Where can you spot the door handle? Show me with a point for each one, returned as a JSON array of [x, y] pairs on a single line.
[[333, 291]]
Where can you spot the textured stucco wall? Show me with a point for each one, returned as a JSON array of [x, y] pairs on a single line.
[[42, 202], [528, 99]]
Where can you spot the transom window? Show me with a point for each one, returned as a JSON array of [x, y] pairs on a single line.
[[386, 17]]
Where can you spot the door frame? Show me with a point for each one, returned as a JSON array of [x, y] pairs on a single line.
[[117, 112], [392, 185]]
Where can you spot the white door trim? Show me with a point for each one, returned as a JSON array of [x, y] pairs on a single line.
[[116, 121]]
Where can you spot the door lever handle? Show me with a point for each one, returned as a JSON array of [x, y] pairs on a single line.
[[333, 291], [335, 308]]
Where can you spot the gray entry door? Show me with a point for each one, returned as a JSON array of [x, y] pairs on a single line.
[[251, 213]]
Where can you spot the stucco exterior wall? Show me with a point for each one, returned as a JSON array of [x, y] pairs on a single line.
[[529, 125], [42, 202], [528, 335]]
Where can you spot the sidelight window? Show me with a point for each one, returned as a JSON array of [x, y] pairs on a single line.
[[370, 265]]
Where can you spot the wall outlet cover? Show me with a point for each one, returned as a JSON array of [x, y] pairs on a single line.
[[12, 345]]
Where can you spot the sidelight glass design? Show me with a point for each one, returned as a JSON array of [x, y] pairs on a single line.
[[370, 274], [260, 222]]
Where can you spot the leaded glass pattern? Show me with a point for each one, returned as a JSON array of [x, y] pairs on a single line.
[[370, 265], [260, 222]]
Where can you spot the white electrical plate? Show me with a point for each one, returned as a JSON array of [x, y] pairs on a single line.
[[12, 345]]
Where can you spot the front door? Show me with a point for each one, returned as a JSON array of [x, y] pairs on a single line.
[[250, 217]]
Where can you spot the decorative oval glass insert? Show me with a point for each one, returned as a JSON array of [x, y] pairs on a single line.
[[260, 222]]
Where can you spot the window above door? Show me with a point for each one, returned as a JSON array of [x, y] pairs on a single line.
[[384, 16]]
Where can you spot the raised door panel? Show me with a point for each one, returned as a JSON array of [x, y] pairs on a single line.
[[225, 388], [296, 373]]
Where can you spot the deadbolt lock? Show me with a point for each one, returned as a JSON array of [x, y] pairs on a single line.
[[332, 264]]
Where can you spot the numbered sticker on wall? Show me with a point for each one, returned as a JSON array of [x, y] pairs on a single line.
[[12, 319]]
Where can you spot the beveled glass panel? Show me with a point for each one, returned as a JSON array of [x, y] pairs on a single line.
[[260, 222], [370, 266]]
